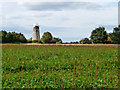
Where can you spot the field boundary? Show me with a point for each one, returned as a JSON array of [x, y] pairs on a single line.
[[38, 44]]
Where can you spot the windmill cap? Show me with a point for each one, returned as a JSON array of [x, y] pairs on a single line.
[[36, 25]]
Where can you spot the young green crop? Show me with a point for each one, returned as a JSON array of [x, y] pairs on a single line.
[[59, 66]]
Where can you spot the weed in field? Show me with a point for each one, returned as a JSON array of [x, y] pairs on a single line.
[[59, 66]]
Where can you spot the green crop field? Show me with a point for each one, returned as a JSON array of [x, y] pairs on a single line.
[[59, 66]]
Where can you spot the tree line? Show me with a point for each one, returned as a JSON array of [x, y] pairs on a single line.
[[98, 35], [12, 37]]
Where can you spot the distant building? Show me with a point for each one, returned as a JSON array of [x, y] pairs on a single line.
[[36, 33]]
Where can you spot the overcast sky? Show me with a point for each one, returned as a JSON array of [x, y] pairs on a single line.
[[67, 19]]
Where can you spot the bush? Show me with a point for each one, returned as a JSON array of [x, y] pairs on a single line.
[[74, 42], [85, 41], [59, 42], [108, 42], [29, 41], [35, 41], [39, 41]]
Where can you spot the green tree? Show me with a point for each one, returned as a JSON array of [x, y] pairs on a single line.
[[115, 36], [9, 38], [46, 38], [3, 36], [23, 39], [12, 37], [99, 35], [54, 40], [29, 40], [85, 41]]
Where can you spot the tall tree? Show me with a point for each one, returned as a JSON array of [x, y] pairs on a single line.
[[2, 36], [9, 38], [99, 35], [115, 36], [12, 37], [46, 38]]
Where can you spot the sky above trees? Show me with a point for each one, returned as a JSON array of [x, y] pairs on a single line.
[[67, 19]]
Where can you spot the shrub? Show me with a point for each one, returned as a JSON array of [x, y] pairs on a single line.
[[59, 42], [85, 41], [35, 41], [39, 41], [29, 41]]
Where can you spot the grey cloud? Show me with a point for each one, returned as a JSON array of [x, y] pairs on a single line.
[[43, 15], [60, 6], [54, 29]]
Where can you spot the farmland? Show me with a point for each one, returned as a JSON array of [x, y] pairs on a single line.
[[30, 66]]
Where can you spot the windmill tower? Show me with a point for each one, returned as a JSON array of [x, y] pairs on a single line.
[[36, 33]]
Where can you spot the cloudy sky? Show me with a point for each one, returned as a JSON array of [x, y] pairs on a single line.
[[70, 20]]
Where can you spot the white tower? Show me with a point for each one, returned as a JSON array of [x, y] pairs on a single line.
[[36, 33]]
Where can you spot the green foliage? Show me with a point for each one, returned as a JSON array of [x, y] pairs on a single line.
[[99, 35], [109, 41], [35, 41], [115, 36], [2, 36], [39, 41], [59, 42], [12, 37], [56, 40], [46, 38], [9, 37], [74, 42], [59, 67], [29, 40], [85, 41]]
